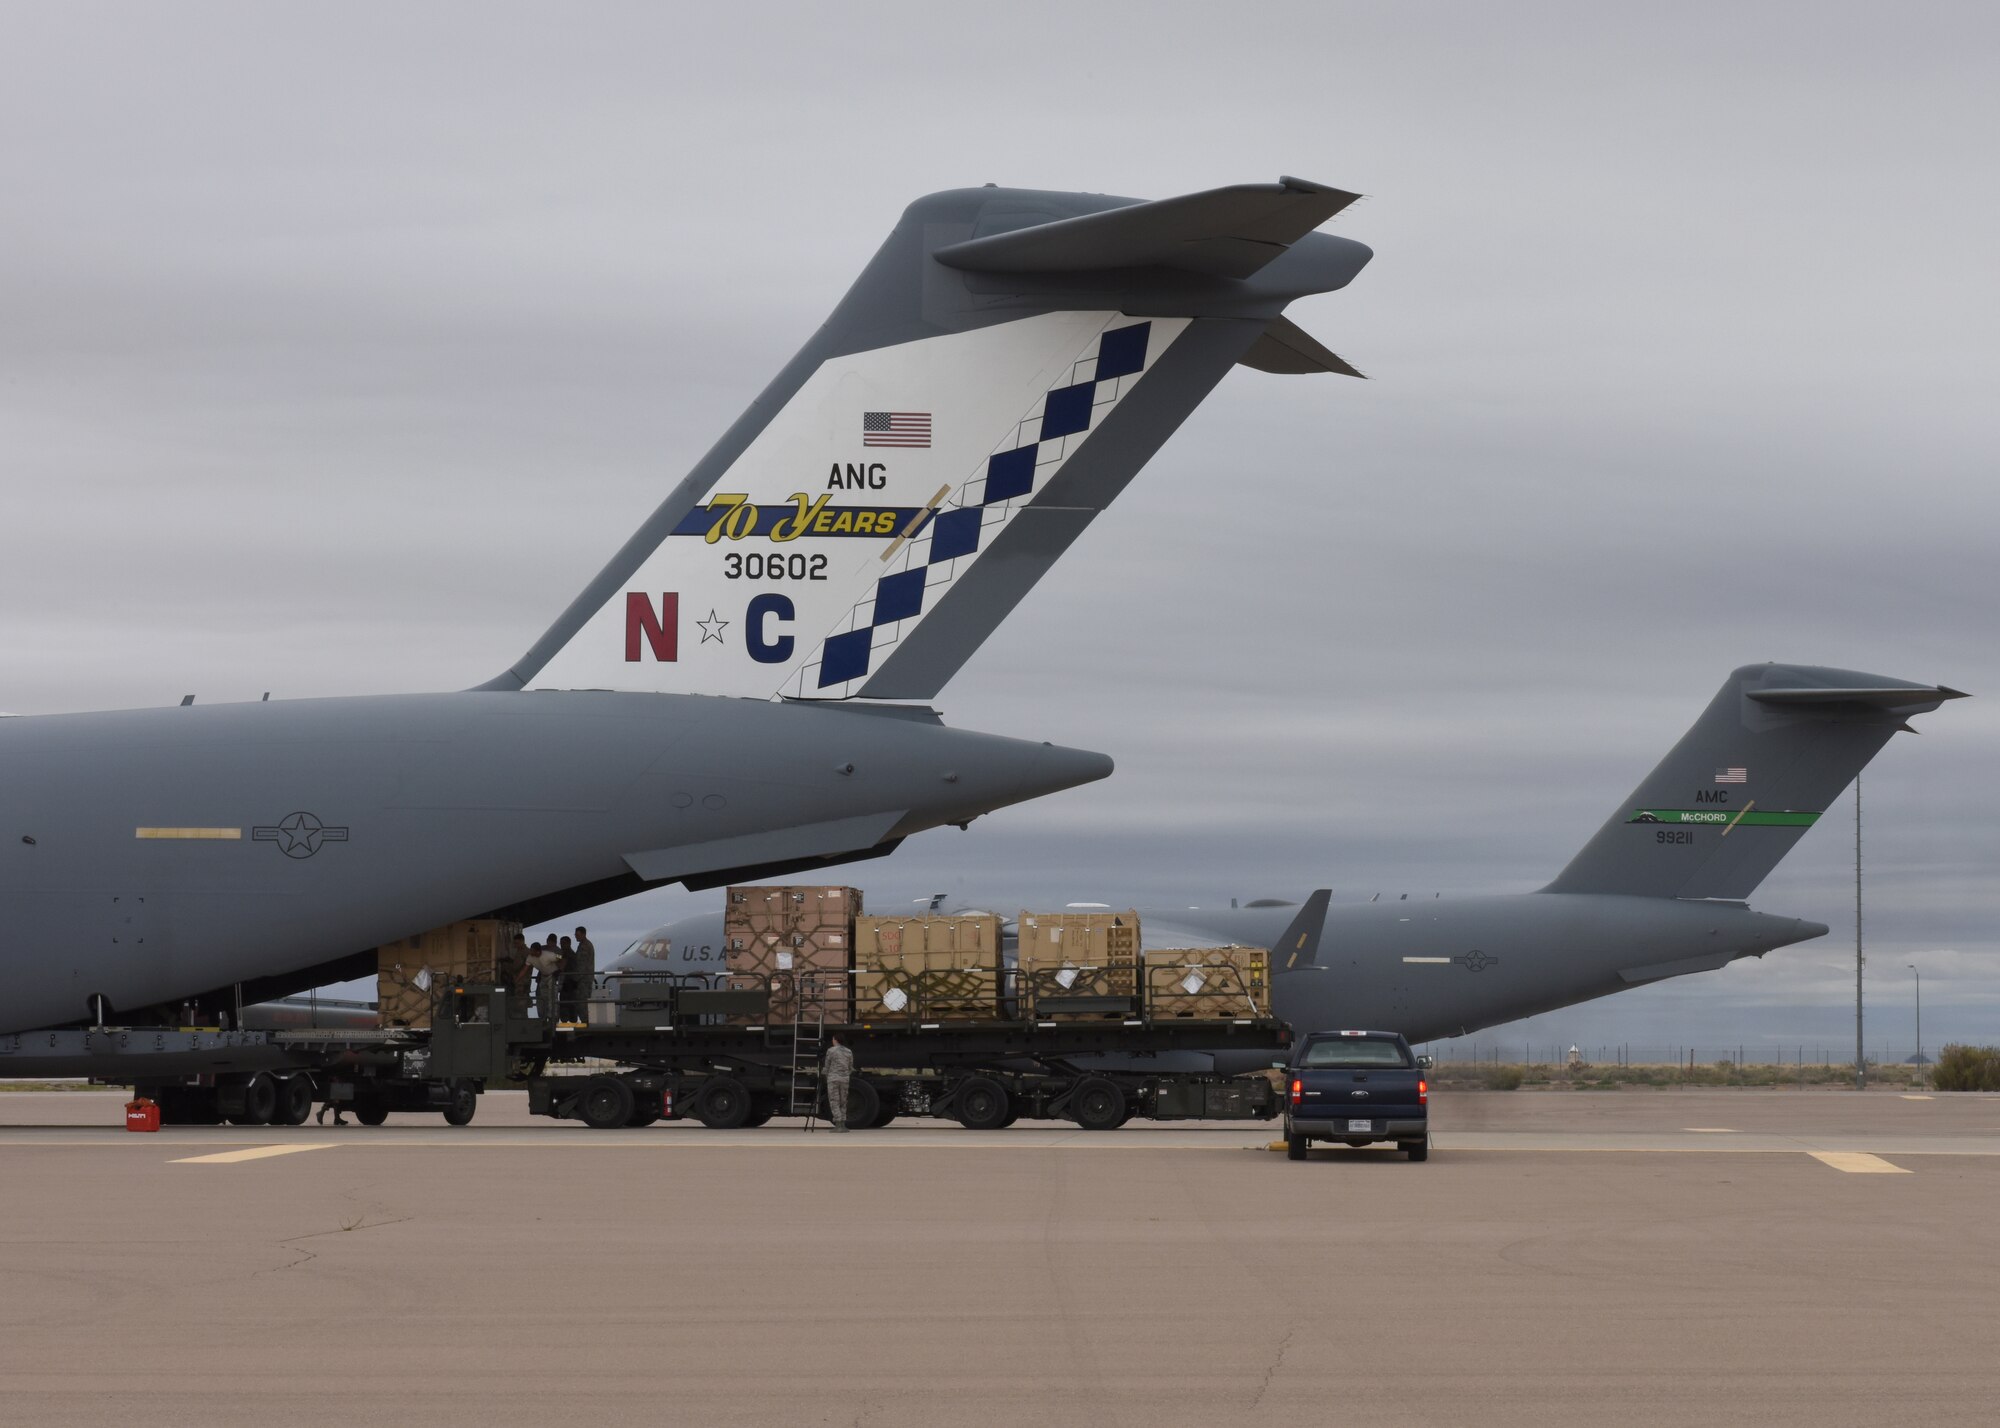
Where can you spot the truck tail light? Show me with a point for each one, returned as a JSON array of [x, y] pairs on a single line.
[[1423, 1092], [1298, 1089]]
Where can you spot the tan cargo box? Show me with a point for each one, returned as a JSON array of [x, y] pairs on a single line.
[[926, 968], [409, 970], [976, 935], [1079, 938], [1208, 982]]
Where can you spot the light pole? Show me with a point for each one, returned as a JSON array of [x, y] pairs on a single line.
[[1920, 1012], [1860, 1054]]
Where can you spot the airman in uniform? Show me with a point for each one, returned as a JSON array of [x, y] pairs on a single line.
[[839, 1070]]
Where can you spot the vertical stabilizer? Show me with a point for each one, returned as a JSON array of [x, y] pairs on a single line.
[[1003, 367], [1770, 753]]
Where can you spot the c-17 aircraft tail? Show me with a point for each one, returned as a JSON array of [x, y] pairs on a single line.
[[1775, 747], [1000, 371]]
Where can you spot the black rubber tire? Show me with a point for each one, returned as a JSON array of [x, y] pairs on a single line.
[[295, 1101], [1295, 1147], [370, 1112], [606, 1103], [884, 1114], [1097, 1104], [1419, 1151], [762, 1108], [864, 1103], [982, 1103], [464, 1104], [260, 1100], [725, 1104]]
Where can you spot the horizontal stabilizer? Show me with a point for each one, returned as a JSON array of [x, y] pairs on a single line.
[[1220, 233], [1889, 697], [1288, 349]]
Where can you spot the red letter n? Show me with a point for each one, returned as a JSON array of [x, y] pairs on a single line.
[[662, 633]]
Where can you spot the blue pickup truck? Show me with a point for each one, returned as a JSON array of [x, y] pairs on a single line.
[[1355, 1088]]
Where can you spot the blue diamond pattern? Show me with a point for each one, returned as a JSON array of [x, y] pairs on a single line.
[[899, 596], [1067, 410], [955, 533], [1010, 474], [846, 657], [1122, 351]]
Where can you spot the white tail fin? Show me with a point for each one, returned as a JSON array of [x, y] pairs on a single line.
[[839, 541]]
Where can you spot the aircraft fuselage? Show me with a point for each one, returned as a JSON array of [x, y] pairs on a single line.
[[150, 855]]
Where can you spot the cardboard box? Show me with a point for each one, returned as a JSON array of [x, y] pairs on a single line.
[[799, 941], [1217, 983], [927, 968], [409, 971], [1094, 938]]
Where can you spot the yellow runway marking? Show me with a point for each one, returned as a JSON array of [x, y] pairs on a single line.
[[258, 1152], [1856, 1162], [1710, 1130], [1919, 1098]]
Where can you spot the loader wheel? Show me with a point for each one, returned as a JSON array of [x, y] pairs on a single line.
[[295, 1101], [982, 1103], [260, 1101], [371, 1112], [606, 1104], [1295, 1147], [864, 1103], [1098, 1104], [464, 1104], [725, 1104], [1419, 1150]]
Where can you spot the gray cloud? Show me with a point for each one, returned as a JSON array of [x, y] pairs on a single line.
[[341, 346]]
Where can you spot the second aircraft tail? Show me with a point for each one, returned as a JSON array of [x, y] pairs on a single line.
[[1774, 748]]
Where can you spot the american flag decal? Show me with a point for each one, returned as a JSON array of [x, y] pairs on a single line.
[[895, 428], [1735, 775]]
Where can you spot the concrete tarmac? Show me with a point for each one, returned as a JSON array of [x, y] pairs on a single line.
[[1563, 1258]]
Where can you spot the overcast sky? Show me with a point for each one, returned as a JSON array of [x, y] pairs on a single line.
[[339, 347]]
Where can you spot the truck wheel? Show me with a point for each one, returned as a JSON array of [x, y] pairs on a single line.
[[1420, 1150], [371, 1112], [464, 1104], [762, 1108], [864, 1103], [260, 1101], [982, 1103], [606, 1104], [1295, 1147], [1097, 1104], [883, 1116], [295, 1101], [725, 1104]]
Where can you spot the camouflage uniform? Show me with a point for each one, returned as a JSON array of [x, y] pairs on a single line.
[[839, 1071]]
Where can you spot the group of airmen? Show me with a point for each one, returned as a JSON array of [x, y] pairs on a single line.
[[562, 971]]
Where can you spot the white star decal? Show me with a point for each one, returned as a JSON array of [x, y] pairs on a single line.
[[712, 628]]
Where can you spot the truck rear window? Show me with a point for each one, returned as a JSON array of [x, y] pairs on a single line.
[[1353, 1051]]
